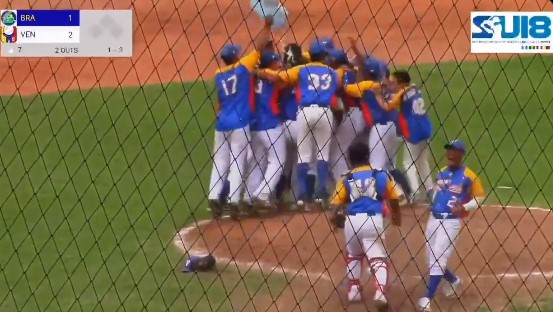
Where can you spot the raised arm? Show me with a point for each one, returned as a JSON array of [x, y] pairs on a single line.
[[360, 57], [265, 36]]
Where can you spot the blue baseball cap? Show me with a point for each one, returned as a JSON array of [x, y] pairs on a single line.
[[199, 263], [456, 145], [230, 51], [338, 56], [317, 48], [268, 58], [327, 43], [376, 68]]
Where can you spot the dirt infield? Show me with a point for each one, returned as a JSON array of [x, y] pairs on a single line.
[[170, 42], [504, 256]]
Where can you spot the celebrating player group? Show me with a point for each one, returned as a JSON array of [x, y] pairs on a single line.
[[287, 123]]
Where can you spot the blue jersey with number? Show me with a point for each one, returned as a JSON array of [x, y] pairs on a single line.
[[367, 190], [317, 85], [455, 186], [373, 112], [413, 121], [267, 111], [349, 101], [236, 97], [288, 104]]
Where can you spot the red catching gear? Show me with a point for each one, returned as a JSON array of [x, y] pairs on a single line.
[[379, 269], [353, 282]]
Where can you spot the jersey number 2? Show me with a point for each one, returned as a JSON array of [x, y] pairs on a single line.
[[229, 85], [319, 82]]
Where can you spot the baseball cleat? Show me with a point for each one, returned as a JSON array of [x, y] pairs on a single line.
[[259, 203], [381, 305], [424, 304], [380, 302], [216, 208], [354, 293], [450, 289], [250, 209], [234, 211]]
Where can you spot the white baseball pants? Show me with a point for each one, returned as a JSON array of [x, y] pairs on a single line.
[[441, 235], [383, 145], [351, 127], [314, 130], [365, 238], [229, 156], [417, 166], [268, 154]]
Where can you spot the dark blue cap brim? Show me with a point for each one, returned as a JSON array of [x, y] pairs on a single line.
[[453, 147]]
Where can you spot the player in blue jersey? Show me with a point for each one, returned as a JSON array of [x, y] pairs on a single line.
[[352, 124], [289, 111], [267, 142], [416, 128], [316, 85], [235, 89], [458, 191], [366, 192]]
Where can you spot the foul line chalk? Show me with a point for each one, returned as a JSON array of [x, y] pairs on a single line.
[[186, 246]]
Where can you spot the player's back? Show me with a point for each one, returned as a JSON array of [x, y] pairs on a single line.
[[267, 111], [348, 77], [413, 119], [373, 111], [234, 85], [366, 188], [317, 85], [288, 103]]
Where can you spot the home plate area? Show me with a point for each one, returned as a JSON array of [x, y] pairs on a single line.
[[503, 254]]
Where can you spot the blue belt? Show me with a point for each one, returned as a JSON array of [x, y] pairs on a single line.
[[444, 216], [368, 213], [314, 105]]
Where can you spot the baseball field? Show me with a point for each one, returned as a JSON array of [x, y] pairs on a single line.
[[105, 164]]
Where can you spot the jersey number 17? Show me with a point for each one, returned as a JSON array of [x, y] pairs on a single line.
[[229, 85]]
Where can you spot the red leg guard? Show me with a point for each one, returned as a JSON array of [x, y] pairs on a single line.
[[375, 265]]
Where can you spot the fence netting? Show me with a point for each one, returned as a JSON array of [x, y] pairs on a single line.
[[121, 178]]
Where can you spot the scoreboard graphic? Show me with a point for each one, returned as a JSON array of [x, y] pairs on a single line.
[[66, 33]]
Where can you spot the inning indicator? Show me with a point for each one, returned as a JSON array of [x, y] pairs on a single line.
[[66, 33]]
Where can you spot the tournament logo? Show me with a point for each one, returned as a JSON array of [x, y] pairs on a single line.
[[9, 29], [9, 18], [508, 32]]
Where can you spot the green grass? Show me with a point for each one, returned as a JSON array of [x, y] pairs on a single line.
[[94, 183]]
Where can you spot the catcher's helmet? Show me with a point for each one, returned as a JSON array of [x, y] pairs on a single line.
[[199, 263]]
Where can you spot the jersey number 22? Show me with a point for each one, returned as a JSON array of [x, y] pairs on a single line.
[[362, 188]]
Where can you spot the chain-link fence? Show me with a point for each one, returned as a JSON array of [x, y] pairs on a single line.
[[106, 164]]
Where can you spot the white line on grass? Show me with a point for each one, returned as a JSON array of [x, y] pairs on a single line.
[[186, 246]]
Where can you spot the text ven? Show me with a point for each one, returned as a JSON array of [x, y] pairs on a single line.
[[28, 34]]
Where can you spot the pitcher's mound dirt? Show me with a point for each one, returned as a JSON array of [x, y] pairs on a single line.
[[504, 256]]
